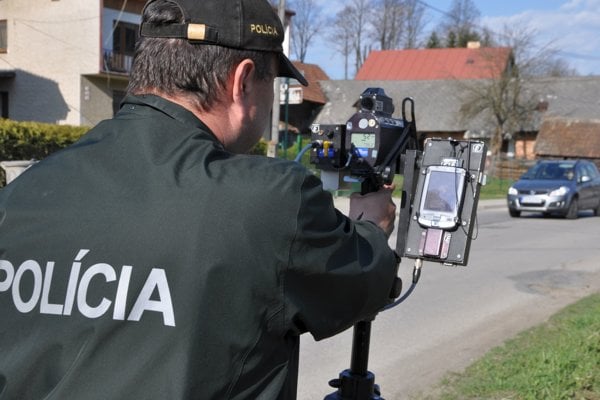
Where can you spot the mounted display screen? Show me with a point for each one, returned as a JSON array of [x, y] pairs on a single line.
[[442, 196], [363, 140]]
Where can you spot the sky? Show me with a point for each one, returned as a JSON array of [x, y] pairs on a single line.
[[570, 26]]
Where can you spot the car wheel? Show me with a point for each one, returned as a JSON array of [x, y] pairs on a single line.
[[514, 213], [597, 210], [573, 211]]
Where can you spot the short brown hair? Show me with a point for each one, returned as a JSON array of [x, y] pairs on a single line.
[[179, 67]]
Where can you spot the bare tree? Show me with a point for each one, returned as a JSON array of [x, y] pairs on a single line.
[[508, 101], [387, 20], [356, 14], [558, 67], [397, 24], [414, 24], [343, 35], [307, 24], [460, 23]]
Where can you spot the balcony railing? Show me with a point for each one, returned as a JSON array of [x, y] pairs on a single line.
[[116, 62]]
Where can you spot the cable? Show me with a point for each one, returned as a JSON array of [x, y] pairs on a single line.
[[415, 280], [304, 150]]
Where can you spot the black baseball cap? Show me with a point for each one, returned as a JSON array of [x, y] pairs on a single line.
[[240, 24]]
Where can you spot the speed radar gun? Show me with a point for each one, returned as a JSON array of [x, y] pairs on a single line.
[[440, 190]]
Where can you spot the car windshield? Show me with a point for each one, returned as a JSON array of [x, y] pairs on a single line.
[[551, 171]]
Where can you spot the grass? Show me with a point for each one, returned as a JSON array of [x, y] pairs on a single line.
[[495, 188], [556, 360]]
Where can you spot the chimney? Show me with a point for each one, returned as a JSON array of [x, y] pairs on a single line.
[[473, 45]]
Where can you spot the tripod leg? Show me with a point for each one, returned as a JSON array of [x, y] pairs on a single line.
[[357, 383]]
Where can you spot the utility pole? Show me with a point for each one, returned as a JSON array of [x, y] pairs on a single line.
[[272, 149]]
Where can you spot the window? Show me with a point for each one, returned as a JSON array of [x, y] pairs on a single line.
[[124, 38], [3, 36], [3, 104], [589, 170]]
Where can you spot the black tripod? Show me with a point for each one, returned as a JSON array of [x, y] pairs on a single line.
[[358, 383]]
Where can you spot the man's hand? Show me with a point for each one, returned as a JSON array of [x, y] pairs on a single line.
[[376, 207]]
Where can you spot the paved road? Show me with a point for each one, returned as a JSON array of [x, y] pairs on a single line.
[[520, 272]]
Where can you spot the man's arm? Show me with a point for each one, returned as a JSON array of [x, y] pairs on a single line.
[[376, 207], [341, 271]]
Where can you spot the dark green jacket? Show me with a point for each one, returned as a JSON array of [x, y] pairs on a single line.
[[146, 262]]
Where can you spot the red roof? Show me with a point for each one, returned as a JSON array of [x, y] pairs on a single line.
[[313, 74], [432, 64]]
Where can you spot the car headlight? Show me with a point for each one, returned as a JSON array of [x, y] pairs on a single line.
[[512, 191], [561, 191]]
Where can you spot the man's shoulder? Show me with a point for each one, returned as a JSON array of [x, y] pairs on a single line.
[[269, 171]]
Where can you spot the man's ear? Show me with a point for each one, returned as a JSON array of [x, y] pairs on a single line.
[[243, 78]]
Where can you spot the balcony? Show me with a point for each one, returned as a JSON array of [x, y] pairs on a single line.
[[116, 62]]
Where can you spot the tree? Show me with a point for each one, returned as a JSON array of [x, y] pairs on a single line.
[[359, 10], [558, 67], [509, 101], [342, 34], [388, 23], [351, 30], [460, 23], [306, 25], [414, 23], [434, 41], [397, 24]]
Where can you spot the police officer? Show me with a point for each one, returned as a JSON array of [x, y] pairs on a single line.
[[147, 260]]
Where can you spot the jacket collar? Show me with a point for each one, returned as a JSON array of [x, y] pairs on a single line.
[[172, 110]]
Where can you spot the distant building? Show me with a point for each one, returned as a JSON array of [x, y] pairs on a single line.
[[68, 61], [439, 80], [569, 138], [65, 61], [303, 103], [436, 64], [438, 103]]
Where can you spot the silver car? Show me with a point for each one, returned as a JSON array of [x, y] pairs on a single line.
[[561, 187]]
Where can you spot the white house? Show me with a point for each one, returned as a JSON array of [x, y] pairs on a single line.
[[65, 61]]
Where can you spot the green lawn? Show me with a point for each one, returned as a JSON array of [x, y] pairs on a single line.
[[495, 188], [557, 360]]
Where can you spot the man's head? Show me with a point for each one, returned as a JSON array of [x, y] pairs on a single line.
[[191, 49]]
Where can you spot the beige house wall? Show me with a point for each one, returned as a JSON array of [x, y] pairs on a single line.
[[55, 51], [50, 44]]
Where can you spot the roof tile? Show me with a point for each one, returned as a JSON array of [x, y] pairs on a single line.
[[432, 64], [313, 74], [569, 138]]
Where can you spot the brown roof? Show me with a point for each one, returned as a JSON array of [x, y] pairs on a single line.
[[433, 64], [313, 74], [572, 138]]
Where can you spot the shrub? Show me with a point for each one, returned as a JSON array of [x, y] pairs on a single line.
[[260, 148], [34, 140]]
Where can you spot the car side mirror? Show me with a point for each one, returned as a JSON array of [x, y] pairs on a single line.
[[585, 179]]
